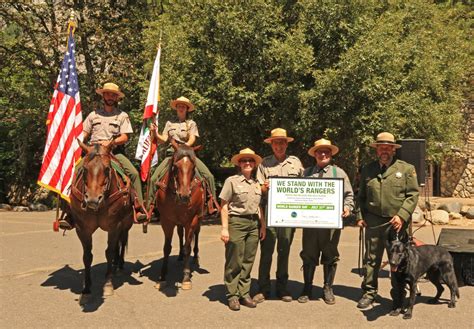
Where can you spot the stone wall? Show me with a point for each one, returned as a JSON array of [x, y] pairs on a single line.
[[457, 171]]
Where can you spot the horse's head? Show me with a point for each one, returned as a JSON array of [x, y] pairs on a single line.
[[184, 163], [96, 175]]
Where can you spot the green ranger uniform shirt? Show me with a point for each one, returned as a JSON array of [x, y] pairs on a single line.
[[181, 130], [101, 125], [243, 196], [394, 192], [331, 171], [270, 166]]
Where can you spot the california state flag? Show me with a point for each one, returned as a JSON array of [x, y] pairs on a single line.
[[146, 151]]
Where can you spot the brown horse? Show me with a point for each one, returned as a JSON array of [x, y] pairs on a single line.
[[100, 198], [180, 201]]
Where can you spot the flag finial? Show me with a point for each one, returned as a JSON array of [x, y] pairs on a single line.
[[72, 22]]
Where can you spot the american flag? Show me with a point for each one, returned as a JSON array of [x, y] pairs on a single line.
[[64, 125], [146, 150]]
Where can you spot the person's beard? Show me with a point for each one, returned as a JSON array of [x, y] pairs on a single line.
[[110, 102]]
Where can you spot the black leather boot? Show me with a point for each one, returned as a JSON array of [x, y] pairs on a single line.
[[308, 274], [329, 274]]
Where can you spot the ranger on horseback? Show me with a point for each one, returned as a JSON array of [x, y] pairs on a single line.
[[184, 131], [106, 126]]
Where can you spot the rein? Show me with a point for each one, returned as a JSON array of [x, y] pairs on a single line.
[[122, 191]]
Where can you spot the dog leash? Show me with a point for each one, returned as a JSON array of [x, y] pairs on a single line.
[[362, 246]]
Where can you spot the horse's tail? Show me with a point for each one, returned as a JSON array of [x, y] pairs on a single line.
[[123, 242]]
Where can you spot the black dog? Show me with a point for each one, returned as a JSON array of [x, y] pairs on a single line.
[[409, 263]]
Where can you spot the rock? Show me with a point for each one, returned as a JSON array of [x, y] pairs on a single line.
[[470, 213], [451, 207], [439, 216], [21, 209], [38, 207], [5, 206], [430, 205], [454, 215], [417, 216]]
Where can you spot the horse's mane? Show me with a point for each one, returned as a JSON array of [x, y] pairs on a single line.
[[185, 151], [92, 154]]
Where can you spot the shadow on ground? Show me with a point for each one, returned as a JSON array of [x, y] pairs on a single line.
[[172, 285], [68, 278]]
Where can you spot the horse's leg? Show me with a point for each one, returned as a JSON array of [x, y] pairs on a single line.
[[196, 245], [86, 241], [189, 232], [168, 229], [123, 247], [180, 231], [110, 252]]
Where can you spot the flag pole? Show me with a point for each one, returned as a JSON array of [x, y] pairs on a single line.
[[148, 180], [71, 24]]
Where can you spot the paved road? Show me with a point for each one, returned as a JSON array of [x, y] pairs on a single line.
[[41, 275]]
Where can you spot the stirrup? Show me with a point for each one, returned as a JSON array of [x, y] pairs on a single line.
[[139, 217], [64, 225]]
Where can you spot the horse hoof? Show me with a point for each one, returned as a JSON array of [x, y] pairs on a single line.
[[85, 299], [108, 290], [187, 285], [160, 284]]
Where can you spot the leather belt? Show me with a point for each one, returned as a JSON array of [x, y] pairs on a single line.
[[253, 216]]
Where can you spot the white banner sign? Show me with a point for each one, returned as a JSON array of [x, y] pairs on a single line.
[[305, 202]]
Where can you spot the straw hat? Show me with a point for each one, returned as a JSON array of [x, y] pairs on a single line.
[[278, 133], [182, 100], [385, 138], [246, 153], [323, 143], [111, 88]]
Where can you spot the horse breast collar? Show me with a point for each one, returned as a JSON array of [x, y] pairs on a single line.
[[123, 182]]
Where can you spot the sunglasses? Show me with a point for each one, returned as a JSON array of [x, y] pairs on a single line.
[[246, 160]]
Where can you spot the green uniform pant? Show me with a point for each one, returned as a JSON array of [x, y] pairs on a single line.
[[202, 172], [129, 170], [132, 173], [375, 244], [282, 237], [240, 254], [320, 243]]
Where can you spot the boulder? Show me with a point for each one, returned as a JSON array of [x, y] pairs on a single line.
[[38, 207], [451, 207], [417, 216], [439, 217], [470, 213], [21, 209], [455, 216], [6, 207]]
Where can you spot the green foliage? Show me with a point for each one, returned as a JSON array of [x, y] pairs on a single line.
[[344, 70], [405, 75]]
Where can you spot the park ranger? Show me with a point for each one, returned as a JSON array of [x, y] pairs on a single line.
[[388, 195], [320, 245], [282, 165], [242, 226], [109, 125]]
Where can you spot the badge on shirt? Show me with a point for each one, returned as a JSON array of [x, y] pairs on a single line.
[[398, 174]]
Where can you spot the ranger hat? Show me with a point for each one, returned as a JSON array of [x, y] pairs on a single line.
[[385, 138], [246, 153], [278, 133], [323, 143], [182, 100], [111, 88]]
